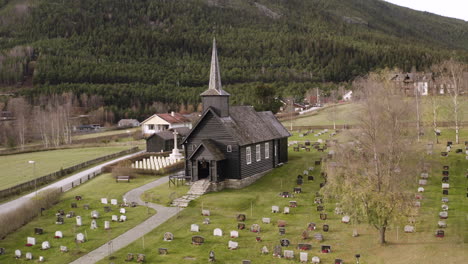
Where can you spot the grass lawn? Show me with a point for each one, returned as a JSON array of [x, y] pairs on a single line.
[[15, 169], [256, 200], [92, 192], [164, 194]]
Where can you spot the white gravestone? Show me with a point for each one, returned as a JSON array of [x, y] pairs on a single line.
[[288, 254], [217, 232], [64, 248], [80, 238], [206, 212], [31, 241], [106, 225], [303, 256], [29, 256], [58, 234], [104, 200], [409, 229], [233, 245], [275, 209], [234, 234], [124, 201], [93, 224], [123, 218], [445, 207], [194, 228], [78, 221], [442, 224], [315, 260], [422, 182], [122, 210], [420, 189], [286, 210], [266, 220], [17, 253], [445, 186], [41, 259], [114, 201], [115, 218], [45, 245], [345, 219], [95, 214]]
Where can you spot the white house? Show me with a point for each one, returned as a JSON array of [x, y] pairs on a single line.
[[161, 122], [348, 96]]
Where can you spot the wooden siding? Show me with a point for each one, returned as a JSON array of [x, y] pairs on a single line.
[[156, 144], [220, 104], [283, 150], [211, 128], [256, 167]]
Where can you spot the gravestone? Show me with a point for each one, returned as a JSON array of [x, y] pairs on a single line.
[[293, 204], [418, 196], [258, 239], [320, 208], [282, 230], [420, 189], [115, 218], [286, 210], [305, 235], [122, 218], [198, 240], [355, 233], [122, 210], [311, 226], [104, 200], [265, 250], [409, 229], [318, 200], [206, 212], [107, 209], [440, 233], [442, 224], [285, 242], [95, 214], [234, 234], [38, 231], [443, 215], [114, 201], [315, 260], [17, 253], [217, 232], [58, 234], [241, 218], [281, 223], [78, 221], [74, 205], [233, 245], [41, 259], [310, 178], [424, 175], [162, 251], [417, 204], [444, 154], [78, 198], [64, 248], [130, 257], [60, 212], [275, 209], [30, 241], [86, 206], [445, 186], [106, 225], [194, 228], [326, 249], [246, 262], [422, 182], [303, 256], [70, 214], [241, 226], [326, 228], [304, 246], [445, 207], [206, 221], [318, 237], [93, 224], [141, 258], [266, 220], [288, 254], [59, 220], [297, 190], [29, 256], [299, 181], [255, 228], [277, 251], [345, 219], [45, 245], [211, 257], [80, 238], [445, 199], [445, 179], [168, 236], [445, 192], [2, 251]]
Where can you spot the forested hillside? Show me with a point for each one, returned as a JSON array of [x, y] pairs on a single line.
[[141, 53]]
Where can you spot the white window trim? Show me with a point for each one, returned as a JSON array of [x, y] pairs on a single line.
[[258, 154], [267, 150], [248, 155], [229, 148]]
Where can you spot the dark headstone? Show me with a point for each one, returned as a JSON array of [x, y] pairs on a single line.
[[307, 149], [74, 205], [449, 143], [107, 209], [445, 179], [162, 251], [211, 256], [304, 246], [293, 204], [59, 220], [297, 189], [285, 242], [311, 226], [318, 162], [282, 231], [130, 257], [305, 235], [326, 249], [61, 212], [445, 192], [2, 251], [459, 151], [38, 231], [319, 208], [445, 172], [246, 262], [241, 217], [300, 177], [444, 154], [299, 181], [440, 233], [323, 216], [86, 206], [310, 178], [445, 167], [78, 198], [241, 226], [325, 228], [198, 240]]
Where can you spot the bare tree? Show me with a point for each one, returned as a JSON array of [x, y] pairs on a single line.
[[21, 111], [371, 177], [451, 74]]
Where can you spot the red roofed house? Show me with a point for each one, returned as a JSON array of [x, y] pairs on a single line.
[[161, 122]]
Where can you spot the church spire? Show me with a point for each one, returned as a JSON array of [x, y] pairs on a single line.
[[214, 87]]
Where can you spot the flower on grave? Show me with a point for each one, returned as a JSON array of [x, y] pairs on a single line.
[[29, 245], [304, 248], [57, 237], [259, 239]]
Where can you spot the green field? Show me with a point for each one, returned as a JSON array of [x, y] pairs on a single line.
[[256, 200], [15, 169], [348, 113], [164, 194], [91, 192]]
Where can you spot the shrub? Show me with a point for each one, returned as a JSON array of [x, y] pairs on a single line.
[[13, 220]]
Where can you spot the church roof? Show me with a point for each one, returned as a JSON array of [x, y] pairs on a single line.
[[210, 146], [214, 87]]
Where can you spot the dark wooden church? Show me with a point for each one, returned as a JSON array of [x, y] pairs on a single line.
[[232, 145]]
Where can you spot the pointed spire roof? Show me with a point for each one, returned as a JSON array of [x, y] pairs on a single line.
[[214, 87]]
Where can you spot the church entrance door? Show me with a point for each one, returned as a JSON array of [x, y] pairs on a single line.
[[203, 169]]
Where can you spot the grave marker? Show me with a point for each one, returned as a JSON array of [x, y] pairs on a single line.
[[58, 234], [233, 245], [217, 232], [198, 240]]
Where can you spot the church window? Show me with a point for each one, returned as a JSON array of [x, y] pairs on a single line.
[[257, 153], [267, 150], [248, 155]]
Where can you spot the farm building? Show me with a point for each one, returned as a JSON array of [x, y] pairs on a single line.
[[164, 140]]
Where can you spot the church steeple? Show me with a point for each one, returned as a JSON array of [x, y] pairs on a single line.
[[215, 96]]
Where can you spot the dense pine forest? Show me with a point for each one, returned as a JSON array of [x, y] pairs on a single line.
[[141, 56]]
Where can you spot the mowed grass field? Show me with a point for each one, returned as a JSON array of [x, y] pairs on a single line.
[[15, 169], [103, 186], [256, 200], [347, 113]]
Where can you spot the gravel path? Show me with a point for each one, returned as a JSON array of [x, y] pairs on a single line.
[[13, 204], [162, 215]]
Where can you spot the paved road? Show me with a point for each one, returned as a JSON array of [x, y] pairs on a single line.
[[12, 205], [163, 214]]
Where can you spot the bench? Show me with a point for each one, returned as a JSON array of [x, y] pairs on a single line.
[[122, 178]]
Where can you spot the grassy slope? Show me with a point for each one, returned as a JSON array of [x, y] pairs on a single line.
[[92, 192], [421, 247], [164, 194], [14, 169]]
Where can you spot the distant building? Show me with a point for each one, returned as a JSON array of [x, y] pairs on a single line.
[[232, 146], [161, 122], [128, 123], [88, 128], [348, 96], [164, 140]]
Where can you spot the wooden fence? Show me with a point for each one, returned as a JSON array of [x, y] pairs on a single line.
[[32, 184]]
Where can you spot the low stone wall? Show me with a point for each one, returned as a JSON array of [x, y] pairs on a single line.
[[236, 184]]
